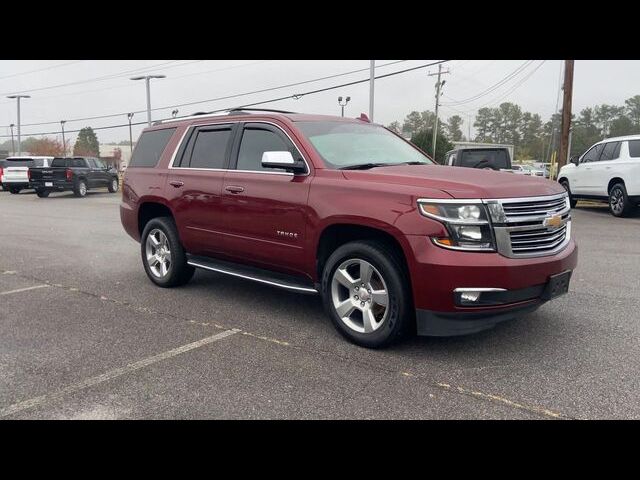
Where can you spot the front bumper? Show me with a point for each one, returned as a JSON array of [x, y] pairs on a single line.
[[436, 273]]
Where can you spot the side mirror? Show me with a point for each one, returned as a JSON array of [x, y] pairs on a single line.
[[574, 160], [283, 160]]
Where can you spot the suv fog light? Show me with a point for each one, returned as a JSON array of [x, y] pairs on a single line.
[[469, 297]]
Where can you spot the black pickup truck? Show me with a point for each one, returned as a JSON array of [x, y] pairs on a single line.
[[73, 173]]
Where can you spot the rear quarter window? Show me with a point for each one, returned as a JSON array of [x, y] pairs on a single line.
[[634, 148], [150, 147]]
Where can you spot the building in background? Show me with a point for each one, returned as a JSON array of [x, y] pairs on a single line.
[[109, 153]]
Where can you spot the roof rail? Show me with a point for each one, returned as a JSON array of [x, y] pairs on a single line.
[[243, 109]]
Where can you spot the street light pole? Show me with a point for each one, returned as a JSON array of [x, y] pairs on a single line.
[[64, 143], [372, 78], [342, 105], [147, 79], [13, 147], [18, 97], [130, 116]]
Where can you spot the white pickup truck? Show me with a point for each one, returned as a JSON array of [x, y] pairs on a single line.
[[14, 175]]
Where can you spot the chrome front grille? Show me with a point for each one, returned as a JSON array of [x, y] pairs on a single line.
[[519, 211], [537, 240], [531, 227]]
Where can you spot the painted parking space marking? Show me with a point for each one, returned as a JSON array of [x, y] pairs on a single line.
[[18, 290], [111, 374]]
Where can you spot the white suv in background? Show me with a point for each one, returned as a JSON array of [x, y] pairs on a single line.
[[608, 171]]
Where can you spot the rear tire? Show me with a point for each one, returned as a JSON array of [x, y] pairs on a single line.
[[80, 189], [43, 193], [114, 184], [619, 203], [14, 190], [572, 201], [363, 319], [163, 256]]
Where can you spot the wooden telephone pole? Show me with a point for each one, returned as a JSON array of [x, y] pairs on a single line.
[[566, 113]]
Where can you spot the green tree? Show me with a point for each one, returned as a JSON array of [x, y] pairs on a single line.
[[87, 143], [604, 115], [633, 110], [622, 126], [424, 140], [413, 123], [483, 120], [454, 130], [395, 126]]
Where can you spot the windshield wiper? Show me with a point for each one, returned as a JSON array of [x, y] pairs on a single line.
[[364, 166], [412, 163]]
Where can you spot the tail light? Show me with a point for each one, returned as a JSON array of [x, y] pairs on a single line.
[[69, 174], [1, 172], [29, 174]]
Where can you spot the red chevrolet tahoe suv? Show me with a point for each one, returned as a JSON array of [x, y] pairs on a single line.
[[349, 210]]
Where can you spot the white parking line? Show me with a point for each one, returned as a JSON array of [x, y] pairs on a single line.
[[22, 289], [111, 374]]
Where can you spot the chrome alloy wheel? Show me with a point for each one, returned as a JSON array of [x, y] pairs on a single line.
[[114, 185], [617, 200], [158, 253], [83, 189], [359, 295]]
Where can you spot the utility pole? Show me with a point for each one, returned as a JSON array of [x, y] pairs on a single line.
[[372, 77], [13, 147], [18, 97], [130, 116], [439, 85], [64, 144], [566, 113]]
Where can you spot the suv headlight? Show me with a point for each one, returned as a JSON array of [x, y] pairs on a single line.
[[467, 223]]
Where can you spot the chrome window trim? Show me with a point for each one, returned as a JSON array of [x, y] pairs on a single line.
[[481, 289], [234, 122]]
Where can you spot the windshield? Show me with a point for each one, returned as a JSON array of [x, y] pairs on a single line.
[[20, 162], [342, 144], [482, 158]]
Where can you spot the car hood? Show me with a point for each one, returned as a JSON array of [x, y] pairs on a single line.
[[459, 182]]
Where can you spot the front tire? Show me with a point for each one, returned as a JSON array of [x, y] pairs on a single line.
[[163, 256], [366, 294], [43, 193], [619, 203], [572, 201], [81, 189], [114, 185]]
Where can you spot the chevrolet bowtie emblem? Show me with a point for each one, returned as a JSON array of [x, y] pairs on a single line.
[[554, 221]]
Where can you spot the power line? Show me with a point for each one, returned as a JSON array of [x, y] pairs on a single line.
[[102, 78], [294, 96], [40, 69], [228, 97], [494, 86]]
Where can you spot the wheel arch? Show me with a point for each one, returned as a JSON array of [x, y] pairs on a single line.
[[612, 182], [336, 234]]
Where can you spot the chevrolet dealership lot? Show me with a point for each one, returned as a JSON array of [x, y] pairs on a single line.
[[84, 334]]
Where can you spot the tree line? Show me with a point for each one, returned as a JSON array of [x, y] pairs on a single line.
[[533, 139], [86, 145]]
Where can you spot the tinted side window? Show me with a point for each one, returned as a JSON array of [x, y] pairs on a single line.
[[254, 143], [92, 163], [150, 147], [594, 154], [611, 151], [210, 148], [60, 162], [634, 148], [100, 163]]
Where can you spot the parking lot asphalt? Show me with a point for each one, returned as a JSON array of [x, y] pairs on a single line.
[[84, 334]]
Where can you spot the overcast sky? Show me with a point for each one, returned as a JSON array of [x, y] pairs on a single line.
[[68, 89]]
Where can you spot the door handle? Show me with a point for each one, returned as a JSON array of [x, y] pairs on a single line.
[[234, 189], [176, 183]]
